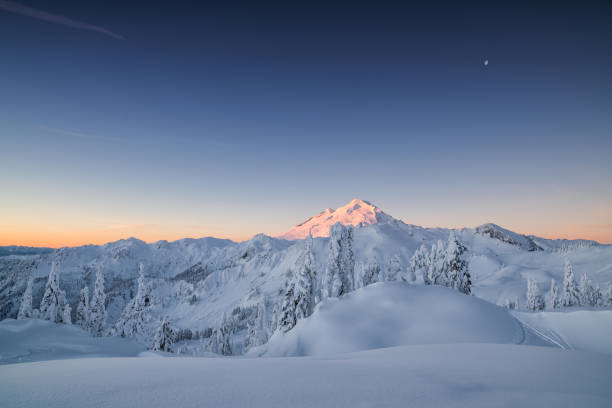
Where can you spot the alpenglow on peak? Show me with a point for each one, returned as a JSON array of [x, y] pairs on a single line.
[[357, 213]]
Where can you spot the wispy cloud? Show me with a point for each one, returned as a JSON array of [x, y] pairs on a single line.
[[54, 18], [80, 135]]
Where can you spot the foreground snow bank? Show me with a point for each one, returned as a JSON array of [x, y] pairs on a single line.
[[36, 340], [393, 314], [458, 375], [589, 330]]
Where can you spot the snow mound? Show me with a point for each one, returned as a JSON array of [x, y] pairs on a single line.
[[357, 213], [394, 313], [37, 340]]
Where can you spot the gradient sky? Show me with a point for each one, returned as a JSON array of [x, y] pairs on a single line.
[[187, 119]]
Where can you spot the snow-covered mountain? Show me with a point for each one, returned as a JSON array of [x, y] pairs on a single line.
[[201, 284], [357, 213]]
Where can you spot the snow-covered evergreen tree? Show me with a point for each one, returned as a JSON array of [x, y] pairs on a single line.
[[570, 295], [82, 312], [370, 273], [165, 337], [553, 296], [257, 330], [339, 273], [394, 269], [456, 270], [419, 263], [299, 301], [135, 318], [588, 294], [97, 308], [597, 297], [510, 304], [220, 341], [609, 300], [534, 299], [516, 303], [25, 309], [436, 267], [54, 306]]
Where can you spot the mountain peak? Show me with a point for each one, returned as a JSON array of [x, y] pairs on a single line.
[[357, 213]]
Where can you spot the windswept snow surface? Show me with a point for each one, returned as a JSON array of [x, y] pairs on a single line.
[[581, 329], [36, 340], [457, 375], [394, 313]]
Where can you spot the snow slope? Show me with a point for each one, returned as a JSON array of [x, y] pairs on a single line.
[[589, 330], [36, 340], [357, 213], [449, 375], [393, 314]]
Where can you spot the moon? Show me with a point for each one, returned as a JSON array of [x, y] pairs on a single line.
[[486, 62]]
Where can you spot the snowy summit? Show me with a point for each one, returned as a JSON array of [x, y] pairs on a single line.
[[356, 213]]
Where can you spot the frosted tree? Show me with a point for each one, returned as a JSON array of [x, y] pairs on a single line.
[[25, 309], [394, 269], [585, 290], [516, 303], [82, 312], [510, 304], [597, 297], [298, 302], [570, 294], [220, 341], [456, 271], [553, 296], [257, 331], [54, 306], [609, 300], [369, 274], [436, 266], [534, 299], [135, 318], [97, 308], [419, 263], [339, 273], [165, 337]]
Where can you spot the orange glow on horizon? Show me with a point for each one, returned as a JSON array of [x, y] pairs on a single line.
[[55, 238]]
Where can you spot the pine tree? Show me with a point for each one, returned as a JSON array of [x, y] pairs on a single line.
[[516, 303], [436, 267], [97, 308], [534, 299], [457, 274], [553, 296], [82, 312], [370, 273], [585, 290], [340, 269], [53, 305], [135, 318], [597, 297], [419, 263], [394, 269], [165, 337], [257, 333], [609, 300], [510, 304], [299, 301], [570, 295], [25, 309]]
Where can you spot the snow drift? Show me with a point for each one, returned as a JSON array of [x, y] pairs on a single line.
[[36, 340], [392, 314]]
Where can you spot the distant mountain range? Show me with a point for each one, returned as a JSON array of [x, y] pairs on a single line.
[[201, 283]]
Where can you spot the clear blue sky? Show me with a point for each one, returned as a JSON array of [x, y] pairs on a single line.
[[165, 120]]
